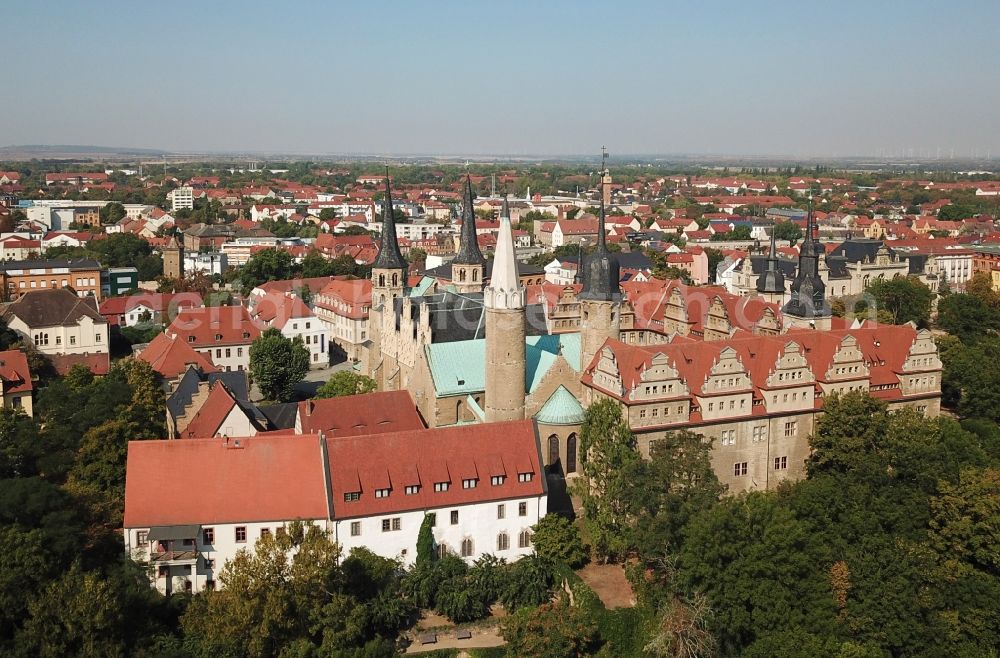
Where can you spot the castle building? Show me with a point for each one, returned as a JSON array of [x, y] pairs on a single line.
[[600, 298], [771, 284], [807, 305]]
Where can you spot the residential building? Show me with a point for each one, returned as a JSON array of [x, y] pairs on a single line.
[[20, 277], [119, 280], [209, 262], [191, 505], [171, 358], [15, 381], [66, 328], [224, 333], [181, 198], [287, 313], [147, 308], [343, 307], [357, 415]]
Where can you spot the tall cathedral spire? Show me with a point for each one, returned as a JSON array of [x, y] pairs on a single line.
[[389, 256], [600, 270], [468, 246], [504, 299]]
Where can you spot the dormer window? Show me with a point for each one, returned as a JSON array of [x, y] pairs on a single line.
[[382, 493], [218, 336], [440, 486], [246, 334], [498, 480], [470, 483], [412, 489], [525, 477], [352, 496]]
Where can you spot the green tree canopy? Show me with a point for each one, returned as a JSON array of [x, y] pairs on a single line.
[[905, 299], [277, 364], [345, 382]]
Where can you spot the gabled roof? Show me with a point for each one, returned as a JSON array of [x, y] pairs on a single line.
[[14, 372], [214, 481], [209, 419], [171, 357], [214, 325], [401, 459], [157, 302], [186, 388], [356, 415]]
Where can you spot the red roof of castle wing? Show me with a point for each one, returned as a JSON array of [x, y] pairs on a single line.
[[356, 415], [14, 372], [214, 325], [207, 481], [444, 454], [171, 357]]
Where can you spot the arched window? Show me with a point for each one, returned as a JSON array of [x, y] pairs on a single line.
[[467, 547], [475, 275], [395, 279], [553, 450], [571, 454], [524, 539], [503, 541], [381, 281], [442, 550], [461, 274], [458, 410]]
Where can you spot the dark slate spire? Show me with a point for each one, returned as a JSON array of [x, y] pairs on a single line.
[[468, 245], [808, 299], [771, 280], [389, 256], [600, 270]]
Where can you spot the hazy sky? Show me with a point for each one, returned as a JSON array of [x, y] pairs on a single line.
[[735, 77]]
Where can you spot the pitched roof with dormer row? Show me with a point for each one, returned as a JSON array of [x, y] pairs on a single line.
[[214, 326], [356, 415]]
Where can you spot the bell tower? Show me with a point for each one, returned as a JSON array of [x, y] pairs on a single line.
[[468, 267], [600, 299], [504, 298], [388, 282], [807, 305]]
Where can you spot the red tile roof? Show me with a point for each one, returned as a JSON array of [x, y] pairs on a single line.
[[356, 415], [14, 372], [213, 412], [206, 481], [214, 326], [158, 302], [99, 364], [171, 357], [426, 457]]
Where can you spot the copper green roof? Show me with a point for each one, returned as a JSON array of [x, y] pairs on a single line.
[[562, 408], [459, 367]]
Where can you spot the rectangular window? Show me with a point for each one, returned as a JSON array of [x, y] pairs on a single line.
[[355, 528], [208, 536], [352, 496], [501, 511], [454, 517], [141, 538], [522, 509], [470, 483], [265, 532], [97, 337], [228, 353], [740, 468], [412, 489], [386, 525], [440, 486], [396, 523], [525, 477], [241, 534], [239, 351], [780, 463], [72, 340], [381, 493], [497, 480], [791, 428]]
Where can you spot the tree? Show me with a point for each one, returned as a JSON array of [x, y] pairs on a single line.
[[906, 299], [327, 214], [553, 630], [416, 255], [77, 614], [981, 287], [315, 264], [965, 521], [345, 382], [607, 449], [266, 265], [528, 583], [681, 630], [967, 316], [787, 231], [425, 540], [557, 539], [112, 213], [277, 364]]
